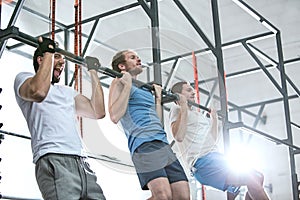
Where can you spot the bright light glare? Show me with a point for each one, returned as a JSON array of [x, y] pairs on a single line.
[[243, 158]]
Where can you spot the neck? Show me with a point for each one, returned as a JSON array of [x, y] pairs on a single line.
[[190, 106], [134, 76]]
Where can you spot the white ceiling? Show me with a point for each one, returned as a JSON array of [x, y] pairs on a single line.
[[131, 28]]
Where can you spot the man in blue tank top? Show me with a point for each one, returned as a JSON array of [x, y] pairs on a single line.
[[156, 165]]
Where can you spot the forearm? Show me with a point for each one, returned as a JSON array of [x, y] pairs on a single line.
[[214, 129], [45, 70], [36, 88], [97, 98], [214, 124], [180, 125]]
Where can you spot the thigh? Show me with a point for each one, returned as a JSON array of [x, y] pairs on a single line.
[[178, 180], [94, 191], [156, 159], [180, 190], [58, 178], [146, 177], [212, 170], [159, 186]]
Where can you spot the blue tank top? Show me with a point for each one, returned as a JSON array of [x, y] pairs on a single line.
[[140, 122]]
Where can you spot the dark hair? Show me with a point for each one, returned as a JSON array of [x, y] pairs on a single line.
[[177, 87], [37, 53], [118, 58]]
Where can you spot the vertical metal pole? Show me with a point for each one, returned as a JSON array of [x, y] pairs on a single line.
[[66, 46], [155, 42], [287, 115], [156, 47], [0, 13], [220, 65]]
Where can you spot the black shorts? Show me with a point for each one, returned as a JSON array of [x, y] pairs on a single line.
[[156, 159]]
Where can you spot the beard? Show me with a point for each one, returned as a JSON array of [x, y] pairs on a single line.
[[135, 71], [56, 75], [54, 80]]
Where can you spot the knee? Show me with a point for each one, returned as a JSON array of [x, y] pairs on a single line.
[[262, 179], [259, 178], [256, 181], [162, 195], [183, 196]]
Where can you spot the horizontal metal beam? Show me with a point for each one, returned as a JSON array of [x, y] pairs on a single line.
[[251, 130], [15, 134], [264, 102], [225, 45], [97, 157], [3, 196]]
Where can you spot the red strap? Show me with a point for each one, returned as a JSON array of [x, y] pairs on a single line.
[[53, 19], [196, 78]]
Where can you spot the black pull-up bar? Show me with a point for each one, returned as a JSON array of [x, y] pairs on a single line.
[[13, 32], [171, 96]]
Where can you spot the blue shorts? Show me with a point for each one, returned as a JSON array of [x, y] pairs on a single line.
[[156, 159], [213, 170]]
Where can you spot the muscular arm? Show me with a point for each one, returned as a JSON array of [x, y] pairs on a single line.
[[93, 108], [119, 93], [36, 88], [179, 126]]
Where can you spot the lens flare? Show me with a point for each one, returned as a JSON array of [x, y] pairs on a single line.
[[243, 158]]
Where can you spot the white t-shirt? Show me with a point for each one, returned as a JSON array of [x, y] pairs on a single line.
[[52, 123], [198, 140]]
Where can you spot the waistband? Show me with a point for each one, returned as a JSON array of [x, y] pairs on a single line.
[[61, 155]]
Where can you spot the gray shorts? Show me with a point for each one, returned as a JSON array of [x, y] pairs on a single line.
[[156, 159], [62, 177]]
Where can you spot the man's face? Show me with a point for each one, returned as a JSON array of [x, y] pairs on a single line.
[[188, 92], [133, 63], [59, 64]]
